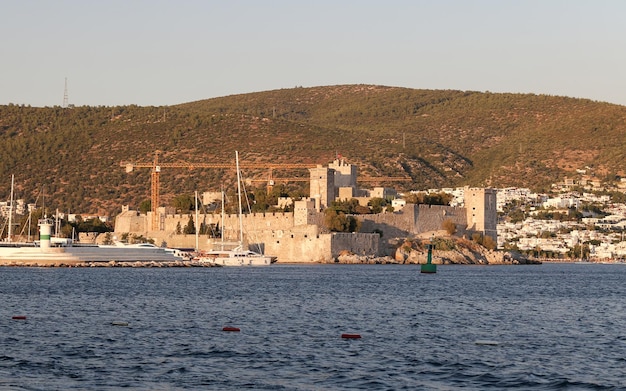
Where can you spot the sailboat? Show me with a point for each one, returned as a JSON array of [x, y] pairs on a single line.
[[237, 256]]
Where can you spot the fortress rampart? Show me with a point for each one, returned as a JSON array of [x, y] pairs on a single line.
[[277, 233], [414, 220], [301, 237]]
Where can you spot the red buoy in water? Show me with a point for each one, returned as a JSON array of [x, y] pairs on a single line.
[[19, 317], [227, 328], [351, 336]]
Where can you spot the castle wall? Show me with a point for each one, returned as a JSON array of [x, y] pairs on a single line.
[[303, 244], [345, 193], [357, 243], [253, 225], [413, 220], [130, 222], [301, 236], [251, 222], [306, 244], [392, 225], [431, 217], [181, 241]]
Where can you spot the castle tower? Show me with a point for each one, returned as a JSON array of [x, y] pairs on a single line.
[[322, 186], [482, 216], [345, 174], [302, 212]]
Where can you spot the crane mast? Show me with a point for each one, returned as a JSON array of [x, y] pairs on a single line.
[[156, 167]]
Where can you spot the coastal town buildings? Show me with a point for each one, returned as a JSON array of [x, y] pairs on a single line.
[[603, 234]]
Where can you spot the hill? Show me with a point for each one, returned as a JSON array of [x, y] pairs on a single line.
[[439, 138]]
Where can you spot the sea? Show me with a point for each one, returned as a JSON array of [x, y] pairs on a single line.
[[527, 327]]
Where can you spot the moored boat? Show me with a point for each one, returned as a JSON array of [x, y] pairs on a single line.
[[237, 256]]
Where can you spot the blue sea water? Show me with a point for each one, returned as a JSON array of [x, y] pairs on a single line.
[[539, 327]]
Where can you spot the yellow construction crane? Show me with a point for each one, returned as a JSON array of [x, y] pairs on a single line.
[[156, 167], [385, 179], [271, 180]]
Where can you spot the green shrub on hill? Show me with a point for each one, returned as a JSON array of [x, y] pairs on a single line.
[[439, 138]]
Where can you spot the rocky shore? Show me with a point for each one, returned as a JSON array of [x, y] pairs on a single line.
[[136, 264], [453, 251]]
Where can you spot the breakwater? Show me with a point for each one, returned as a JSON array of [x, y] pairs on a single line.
[[126, 264]]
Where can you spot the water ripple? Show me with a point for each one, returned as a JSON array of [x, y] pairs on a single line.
[[544, 327]]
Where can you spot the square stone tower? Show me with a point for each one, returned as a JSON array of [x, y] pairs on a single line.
[[345, 174], [303, 212], [322, 186], [482, 216]]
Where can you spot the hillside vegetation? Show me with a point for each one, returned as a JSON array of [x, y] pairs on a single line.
[[437, 138]]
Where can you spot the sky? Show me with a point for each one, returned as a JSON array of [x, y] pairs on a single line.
[[158, 53]]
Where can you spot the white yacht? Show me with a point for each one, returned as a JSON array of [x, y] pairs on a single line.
[[237, 256]]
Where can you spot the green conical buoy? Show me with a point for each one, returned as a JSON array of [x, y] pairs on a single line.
[[429, 267]]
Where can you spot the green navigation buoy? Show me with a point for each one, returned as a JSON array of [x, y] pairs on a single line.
[[429, 267]]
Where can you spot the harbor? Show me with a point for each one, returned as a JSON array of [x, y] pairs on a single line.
[[43, 253]]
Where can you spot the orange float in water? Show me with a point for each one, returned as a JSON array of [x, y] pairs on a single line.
[[227, 328]]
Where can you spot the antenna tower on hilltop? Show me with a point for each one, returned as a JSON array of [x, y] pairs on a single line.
[[65, 95]]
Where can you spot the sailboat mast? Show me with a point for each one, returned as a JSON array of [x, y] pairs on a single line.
[[239, 196], [57, 224], [10, 211], [197, 221], [222, 222]]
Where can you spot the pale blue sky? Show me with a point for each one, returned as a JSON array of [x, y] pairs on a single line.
[[156, 52]]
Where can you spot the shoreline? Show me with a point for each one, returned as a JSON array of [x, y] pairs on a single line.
[[188, 264], [339, 261]]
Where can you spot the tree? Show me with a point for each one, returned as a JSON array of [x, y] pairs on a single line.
[[93, 225], [441, 198], [203, 230], [348, 206], [145, 206], [516, 216], [489, 243], [362, 210], [484, 240], [190, 228], [67, 229], [183, 203], [337, 221], [213, 230], [376, 204], [140, 239], [108, 240], [449, 226], [260, 201]]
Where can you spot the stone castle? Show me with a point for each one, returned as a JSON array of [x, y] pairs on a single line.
[[301, 236]]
